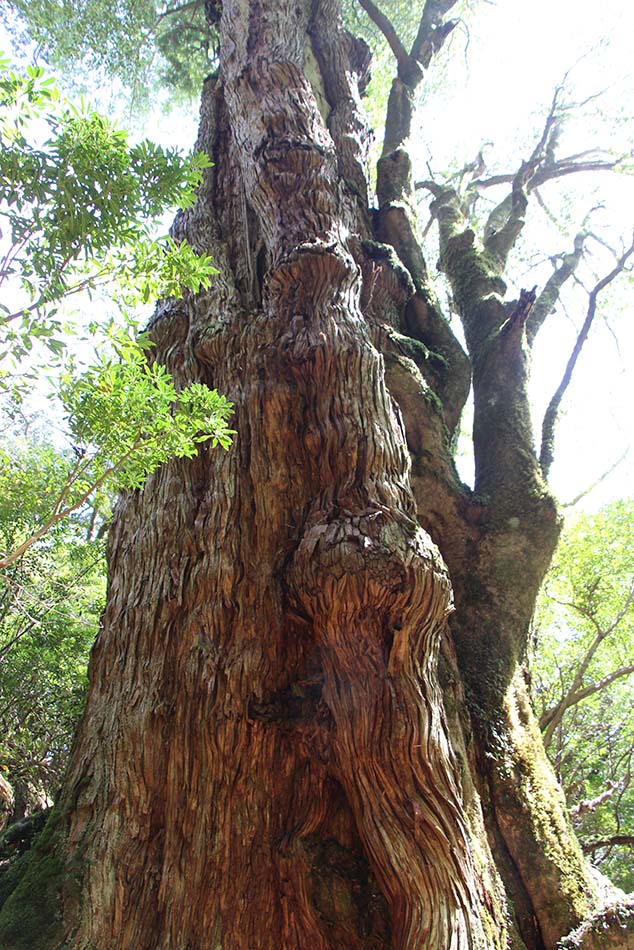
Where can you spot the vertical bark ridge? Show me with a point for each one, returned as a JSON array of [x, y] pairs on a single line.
[[358, 536]]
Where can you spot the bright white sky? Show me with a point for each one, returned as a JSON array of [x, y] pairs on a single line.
[[497, 88], [500, 91]]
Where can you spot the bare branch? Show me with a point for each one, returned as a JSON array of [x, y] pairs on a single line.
[[551, 131], [591, 804], [387, 29], [601, 478], [591, 846], [606, 681], [548, 172], [552, 412]]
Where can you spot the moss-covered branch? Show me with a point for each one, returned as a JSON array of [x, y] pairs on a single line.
[[549, 296]]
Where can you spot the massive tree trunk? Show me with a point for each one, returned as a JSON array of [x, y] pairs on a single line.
[[292, 740]]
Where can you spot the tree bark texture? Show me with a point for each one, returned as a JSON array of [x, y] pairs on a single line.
[[282, 747]]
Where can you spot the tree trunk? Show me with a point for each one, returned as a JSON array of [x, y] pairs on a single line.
[[282, 748]]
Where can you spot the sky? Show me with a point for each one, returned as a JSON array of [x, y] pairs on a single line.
[[514, 55], [495, 86]]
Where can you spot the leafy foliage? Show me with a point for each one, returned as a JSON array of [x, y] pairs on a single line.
[[50, 603], [122, 40], [80, 211], [126, 419], [583, 681]]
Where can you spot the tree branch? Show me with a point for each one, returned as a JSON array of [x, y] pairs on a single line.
[[597, 481], [500, 242], [549, 297], [590, 804], [384, 24], [589, 847], [547, 453], [593, 688], [551, 718], [556, 169], [169, 11], [432, 31]]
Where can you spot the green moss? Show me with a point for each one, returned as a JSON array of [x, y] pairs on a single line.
[[29, 894], [607, 929], [472, 272], [385, 253], [418, 352], [29, 919], [530, 799]]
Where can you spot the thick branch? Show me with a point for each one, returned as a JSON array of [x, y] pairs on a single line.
[[432, 31], [387, 29], [468, 269], [547, 452], [548, 298], [499, 243], [589, 847]]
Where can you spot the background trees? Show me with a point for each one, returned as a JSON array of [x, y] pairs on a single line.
[[583, 681], [51, 601]]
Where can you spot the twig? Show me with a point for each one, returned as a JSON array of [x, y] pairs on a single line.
[[601, 478], [550, 417]]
